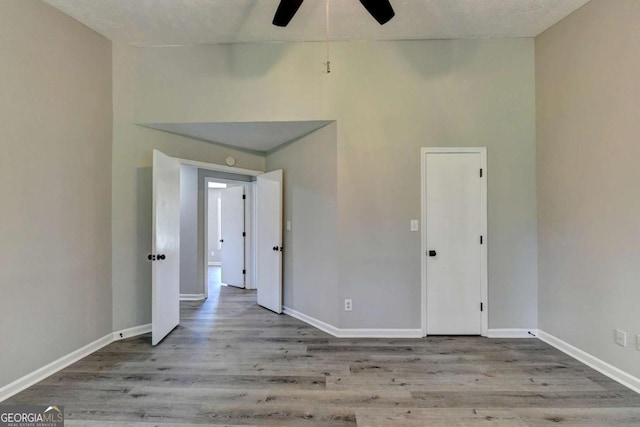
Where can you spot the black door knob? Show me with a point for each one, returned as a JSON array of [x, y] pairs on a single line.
[[161, 256], [221, 241], [432, 253], [275, 248], [151, 257]]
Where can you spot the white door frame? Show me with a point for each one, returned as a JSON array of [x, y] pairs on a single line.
[[483, 221], [248, 226], [220, 168]]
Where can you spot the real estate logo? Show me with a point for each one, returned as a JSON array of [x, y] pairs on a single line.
[[31, 416]]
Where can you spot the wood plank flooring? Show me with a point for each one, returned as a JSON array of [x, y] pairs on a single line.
[[231, 362]]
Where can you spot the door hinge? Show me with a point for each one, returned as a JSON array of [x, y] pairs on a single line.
[[244, 271], [481, 307], [244, 196], [480, 172], [480, 239], [244, 234]]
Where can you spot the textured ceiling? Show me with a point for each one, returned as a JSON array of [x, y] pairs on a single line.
[[179, 22], [258, 137]]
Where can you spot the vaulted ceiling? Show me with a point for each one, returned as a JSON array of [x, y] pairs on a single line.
[[190, 22]]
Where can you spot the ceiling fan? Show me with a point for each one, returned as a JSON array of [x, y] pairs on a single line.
[[381, 11]]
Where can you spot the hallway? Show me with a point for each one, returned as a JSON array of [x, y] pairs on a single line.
[[214, 281], [231, 362]]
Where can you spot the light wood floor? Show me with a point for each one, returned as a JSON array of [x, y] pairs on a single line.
[[231, 362]]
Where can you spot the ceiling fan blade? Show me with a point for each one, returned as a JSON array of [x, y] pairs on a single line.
[[286, 10], [381, 10]]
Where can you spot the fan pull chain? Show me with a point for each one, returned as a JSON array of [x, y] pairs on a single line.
[[328, 63]]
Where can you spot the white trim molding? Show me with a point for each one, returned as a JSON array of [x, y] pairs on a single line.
[[601, 366], [323, 326], [132, 332], [249, 227], [192, 297], [512, 333], [352, 333], [484, 278], [49, 369], [380, 333], [217, 167]]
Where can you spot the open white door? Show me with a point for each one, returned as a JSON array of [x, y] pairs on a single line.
[[232, 219], [269, 240], [165, 246]]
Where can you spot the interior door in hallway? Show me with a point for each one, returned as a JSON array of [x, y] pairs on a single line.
[[165, 256], [269, 246], [454, 239], [232, 260]]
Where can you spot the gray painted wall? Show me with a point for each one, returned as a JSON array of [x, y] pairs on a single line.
[[131, 196], [212, 235], [587, 70], [310, 203], [189, 230], [388, 99], [55, 184]]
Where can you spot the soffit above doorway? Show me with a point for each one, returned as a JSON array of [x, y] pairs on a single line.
[[256, 137]]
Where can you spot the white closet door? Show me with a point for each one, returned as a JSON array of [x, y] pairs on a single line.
[[269, 240]]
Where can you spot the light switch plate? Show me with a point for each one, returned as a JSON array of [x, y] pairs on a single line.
[[414, 225], [621, 338], [289, 225]]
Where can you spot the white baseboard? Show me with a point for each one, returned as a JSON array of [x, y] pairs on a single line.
[[380, 333], [192, 297], [132, 332], [353, 333], [49, 369], [323, 326], [601, 366], [39, 374], [512, 333]]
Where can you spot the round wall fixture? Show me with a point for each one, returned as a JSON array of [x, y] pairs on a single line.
[[230, 161]]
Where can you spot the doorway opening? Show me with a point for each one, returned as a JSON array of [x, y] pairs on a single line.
[[214, 224], [228, 233], [167, 221]]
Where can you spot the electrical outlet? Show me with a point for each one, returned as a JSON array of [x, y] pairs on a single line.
[[348, 305], [621, 338], [288, 225]]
